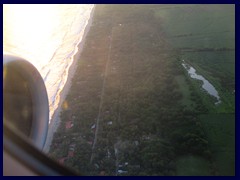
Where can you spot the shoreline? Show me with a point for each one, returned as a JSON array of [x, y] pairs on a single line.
[[55, 121]]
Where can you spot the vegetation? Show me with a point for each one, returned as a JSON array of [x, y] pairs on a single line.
[[133, 108]]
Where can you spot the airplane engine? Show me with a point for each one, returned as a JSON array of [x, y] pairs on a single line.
[[25, 100]]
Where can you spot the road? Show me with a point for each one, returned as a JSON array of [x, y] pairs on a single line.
[[101, 97]]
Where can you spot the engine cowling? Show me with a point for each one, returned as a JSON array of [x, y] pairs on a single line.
[[25, 100]]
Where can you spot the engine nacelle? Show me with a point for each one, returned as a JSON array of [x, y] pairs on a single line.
[[25, 100]]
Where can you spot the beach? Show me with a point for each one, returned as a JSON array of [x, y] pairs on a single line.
[[56, 120]]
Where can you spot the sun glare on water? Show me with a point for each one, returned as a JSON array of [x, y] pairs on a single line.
[[47, 36], [27, 29]]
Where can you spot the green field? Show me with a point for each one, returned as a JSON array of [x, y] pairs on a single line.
[[220, 130], [198, 32], [134, 108], [192, 166]]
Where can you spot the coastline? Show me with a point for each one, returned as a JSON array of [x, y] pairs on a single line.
[[55, 121]]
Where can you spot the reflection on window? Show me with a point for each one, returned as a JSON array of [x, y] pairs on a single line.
[[152, 92]]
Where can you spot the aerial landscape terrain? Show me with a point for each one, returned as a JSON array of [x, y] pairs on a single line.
[[153, 93]]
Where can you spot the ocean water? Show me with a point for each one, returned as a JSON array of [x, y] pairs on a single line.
[[47, 36]]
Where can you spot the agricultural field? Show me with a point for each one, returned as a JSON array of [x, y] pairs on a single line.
[[204, 35], [134, 110]]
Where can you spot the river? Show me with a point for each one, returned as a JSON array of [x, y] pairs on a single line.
[[207, 86]]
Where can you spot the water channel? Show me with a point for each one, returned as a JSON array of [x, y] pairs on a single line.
[[207, 86]]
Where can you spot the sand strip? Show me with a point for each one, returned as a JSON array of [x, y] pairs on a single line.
[[55, 121]]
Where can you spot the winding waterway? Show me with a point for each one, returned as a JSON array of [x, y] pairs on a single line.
[[207, 86]]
